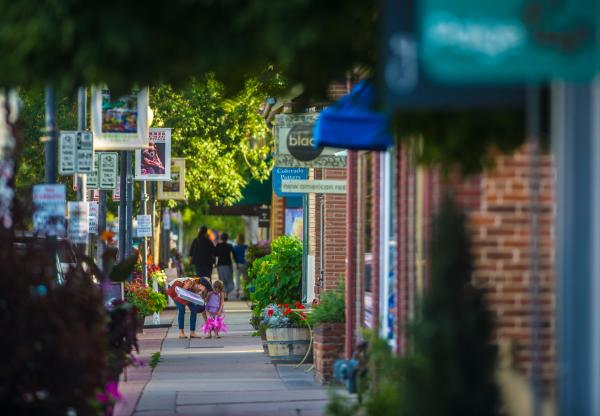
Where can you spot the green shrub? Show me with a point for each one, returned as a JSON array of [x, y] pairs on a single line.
[[277, 276], [331, 307]]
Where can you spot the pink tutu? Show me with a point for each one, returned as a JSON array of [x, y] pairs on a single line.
[[216, 324]]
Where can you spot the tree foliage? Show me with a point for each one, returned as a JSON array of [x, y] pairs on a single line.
[[32, 116], [224, 139], [72, 42]]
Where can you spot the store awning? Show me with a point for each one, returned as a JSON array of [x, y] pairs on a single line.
[[352, 123]]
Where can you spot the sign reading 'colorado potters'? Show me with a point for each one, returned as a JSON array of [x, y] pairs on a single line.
[[295, 144]]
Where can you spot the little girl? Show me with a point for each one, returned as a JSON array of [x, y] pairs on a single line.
[[214, 309]]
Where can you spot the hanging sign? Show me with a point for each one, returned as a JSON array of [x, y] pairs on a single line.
[[49, 202], [85, 152], [153, 163], [175, 188], [96, 195], [510, 40], [79, 222], [67, 152], [120, 123], [93, 209], [295, 144], [144, 225], [324, 186], [281, 174], [107, 167], [92, 177]]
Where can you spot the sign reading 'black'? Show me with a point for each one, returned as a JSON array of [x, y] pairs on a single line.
[[300, 143]]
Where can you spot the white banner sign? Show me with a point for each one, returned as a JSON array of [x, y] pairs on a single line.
[[49, 203], [175, 188], [107, 169], [153, 163], [116, 195], [144, 226], [85, 152], [93, 218], [325, 186], [79, 221], [67, 152], [120, 123]]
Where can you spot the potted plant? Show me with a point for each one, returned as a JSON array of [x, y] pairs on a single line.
[[287, 333], [328, 320], [145, 300]]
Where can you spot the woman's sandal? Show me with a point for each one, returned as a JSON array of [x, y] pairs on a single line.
[[182, 337], [194, 336]]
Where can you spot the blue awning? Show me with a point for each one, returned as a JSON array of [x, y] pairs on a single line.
[[351, 122]]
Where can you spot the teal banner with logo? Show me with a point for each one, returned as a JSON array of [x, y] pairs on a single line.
[[509, 40]]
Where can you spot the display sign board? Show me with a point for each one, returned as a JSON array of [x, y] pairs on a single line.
[[49, 203], [153, 163], [264, 217], [324, 186], [67, 152], [175, 188], [280, 174], [75, 152], [79, 221], [107, 170], [510, 40], [295, 144], [404, 85], [92, 177], [93, 217], [120, 123], [144, 225], [85, 152]]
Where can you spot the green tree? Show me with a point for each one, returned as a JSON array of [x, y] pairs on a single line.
[[31, 161], [224, 140]]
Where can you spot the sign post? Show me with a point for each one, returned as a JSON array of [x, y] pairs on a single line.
[[323, 186]]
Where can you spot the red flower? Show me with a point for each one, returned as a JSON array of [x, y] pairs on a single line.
[[287, 312], [287, 305], [270, 312], [297, 304]]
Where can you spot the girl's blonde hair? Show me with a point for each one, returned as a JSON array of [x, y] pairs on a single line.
[[218, 286]]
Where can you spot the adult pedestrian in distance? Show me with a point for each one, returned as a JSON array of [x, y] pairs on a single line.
[[202, 253], [241, 272], [225, 258]]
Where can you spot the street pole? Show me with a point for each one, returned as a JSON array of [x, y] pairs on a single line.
[[129, 201], [50, 162], [50, 138], [81, 126], [101, 225], [123, 206], [144, 243]]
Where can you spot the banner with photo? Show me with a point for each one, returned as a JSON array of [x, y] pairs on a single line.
[[119, 122], [175, 188], [153, 163]]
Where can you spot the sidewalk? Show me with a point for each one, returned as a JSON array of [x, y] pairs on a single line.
[[227, 376], [134, 379]]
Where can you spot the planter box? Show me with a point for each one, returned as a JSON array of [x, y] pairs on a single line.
[[288, 345], [328, 347]]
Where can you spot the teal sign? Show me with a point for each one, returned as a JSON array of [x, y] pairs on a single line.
[[509, 40]]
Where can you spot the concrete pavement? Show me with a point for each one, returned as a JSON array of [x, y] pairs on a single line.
[[227, 376]]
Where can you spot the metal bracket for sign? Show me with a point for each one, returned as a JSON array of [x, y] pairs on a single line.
[[325, 161]]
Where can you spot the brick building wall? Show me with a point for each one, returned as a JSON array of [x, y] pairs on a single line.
[[334, 265], [500, 236]]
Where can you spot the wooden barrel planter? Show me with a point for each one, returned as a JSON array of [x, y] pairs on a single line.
[[288, 345]]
